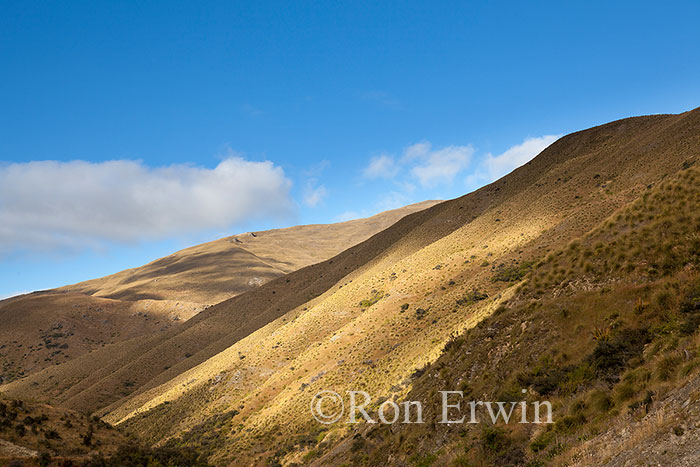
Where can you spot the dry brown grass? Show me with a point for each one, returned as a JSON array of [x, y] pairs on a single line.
[[216, 271]]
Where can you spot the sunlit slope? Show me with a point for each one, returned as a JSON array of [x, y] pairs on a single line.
[[212, 272], [122, 370], [605, 328], [451, 265], [47, 328]]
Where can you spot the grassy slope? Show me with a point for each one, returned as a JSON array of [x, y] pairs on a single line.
[[213, 272], [606, 329], [28, 429], [44, 329], [249, 399], [108, 374]]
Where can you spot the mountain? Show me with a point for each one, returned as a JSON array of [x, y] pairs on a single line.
[[213, 272], [574, 278], [47, 328], [604, 328]]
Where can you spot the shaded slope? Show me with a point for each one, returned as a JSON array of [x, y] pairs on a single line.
[[28, 429], [44, 329]]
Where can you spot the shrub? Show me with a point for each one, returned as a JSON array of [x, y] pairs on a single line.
[[579, 377], [52, 434], [512, 273], [664, 300], [688, 368], [376, 296], [610, 356], [689, 324], [542, 441], [454, 343], [500, 447], [418, 372], [494, 439], [472, 297], [543, 379], [44, 459], [624, 391], [569, 422], [358, 443], [691, 301], [422, 461]]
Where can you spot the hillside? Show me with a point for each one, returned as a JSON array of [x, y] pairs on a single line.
[[38, 434], [47, 328], [548, 279], [212, 272], [34, 432], [606, 329]]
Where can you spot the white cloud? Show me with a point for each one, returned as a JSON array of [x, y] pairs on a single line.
[[424, 167], [497, 166], [316, 170], [440, 166], [314, 195], [381, 166], [47, 204], [417, 150], [430, 167]]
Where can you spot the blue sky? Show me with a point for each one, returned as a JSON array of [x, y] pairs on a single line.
[[129, 130]]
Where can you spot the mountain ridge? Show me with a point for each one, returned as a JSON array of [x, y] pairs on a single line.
[[214, 271]]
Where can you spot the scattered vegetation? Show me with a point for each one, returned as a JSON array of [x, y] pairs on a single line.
[[136, 455]]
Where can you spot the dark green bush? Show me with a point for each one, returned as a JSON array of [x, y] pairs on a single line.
[[511, 273], [472, 297], [610, 356]]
